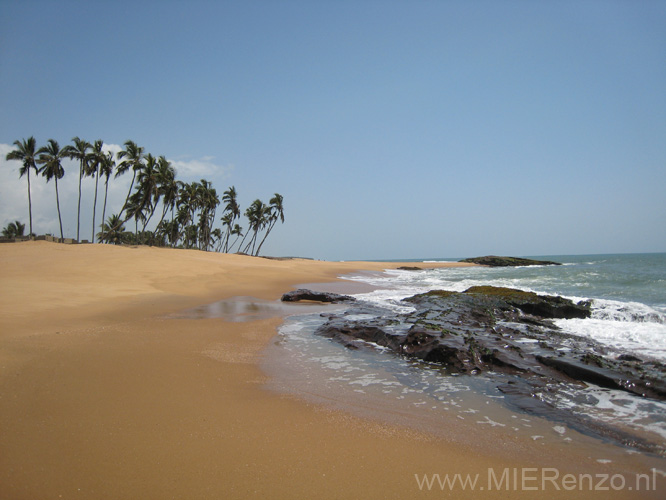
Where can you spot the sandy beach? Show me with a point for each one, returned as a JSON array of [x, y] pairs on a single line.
[[103, 395]]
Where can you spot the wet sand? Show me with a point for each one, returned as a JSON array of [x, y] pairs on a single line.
[[104, 394]]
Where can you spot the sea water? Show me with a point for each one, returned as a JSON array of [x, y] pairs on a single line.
[[628, 293], [629, 312]]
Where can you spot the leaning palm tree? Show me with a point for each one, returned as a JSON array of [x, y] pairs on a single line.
[[231, 213], [256, 214], [237, 231], [26, 152], [79, 151], [50, 157], [106, 166], [275, 212], [132, 157], [113, 231], [216, 238]]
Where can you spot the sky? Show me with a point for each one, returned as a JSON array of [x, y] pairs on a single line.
[[393, 129]]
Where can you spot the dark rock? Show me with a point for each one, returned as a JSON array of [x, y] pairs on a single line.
[[628, 357], [501, 330], [495, 261], [410, 268], [605, 377], [545, 306], [304, 294]]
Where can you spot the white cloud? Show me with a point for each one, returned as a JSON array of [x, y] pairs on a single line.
[[200, 168]]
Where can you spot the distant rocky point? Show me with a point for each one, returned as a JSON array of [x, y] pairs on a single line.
[[495, 261]]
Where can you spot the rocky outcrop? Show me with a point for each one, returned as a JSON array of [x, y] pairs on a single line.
[[495, 261], [545, 306], [305, 294], [508, 333]]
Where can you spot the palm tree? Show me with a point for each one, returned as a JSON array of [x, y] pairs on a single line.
[[135, 210], [209, 201], [13, 229], [132, 157], [182, 221], [231, 211], [26, 152], [113, 231], [276, 211], [227, 220], [188, 203], [50, 157], [106, 166], [97, 158], [79, 151], [147, 192], [216, 238], [257, 217], [167, 186], [238, 232]]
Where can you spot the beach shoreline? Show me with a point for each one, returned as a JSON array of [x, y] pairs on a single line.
[[102, 395]]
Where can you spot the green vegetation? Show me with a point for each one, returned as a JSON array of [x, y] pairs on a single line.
[[13, 229], [154, 189]]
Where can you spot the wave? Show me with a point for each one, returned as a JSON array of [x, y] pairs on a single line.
[[627, 312]]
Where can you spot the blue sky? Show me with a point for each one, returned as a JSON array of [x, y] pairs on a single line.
[[393, 129]]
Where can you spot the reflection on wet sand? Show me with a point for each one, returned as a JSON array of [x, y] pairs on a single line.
[[241, 309]]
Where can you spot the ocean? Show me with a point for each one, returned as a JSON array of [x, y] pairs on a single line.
[[628, 293]]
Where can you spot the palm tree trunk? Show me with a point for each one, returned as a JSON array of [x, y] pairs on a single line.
[[225, 247], [128, 195], [164, 211], [106, 192], [62, 237], [29, 204], [152, 212], [268, 230], [95, 206], [251, 243], [234, 242], [242, 241], [78, 212]]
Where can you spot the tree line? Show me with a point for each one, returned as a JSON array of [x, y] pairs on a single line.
[[187, 211]]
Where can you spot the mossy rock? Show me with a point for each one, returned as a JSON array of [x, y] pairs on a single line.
[[431, 293], [544, 306], [503, 293]]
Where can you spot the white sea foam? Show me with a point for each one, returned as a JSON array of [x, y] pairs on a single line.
[[612, 406], [647, 339]]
